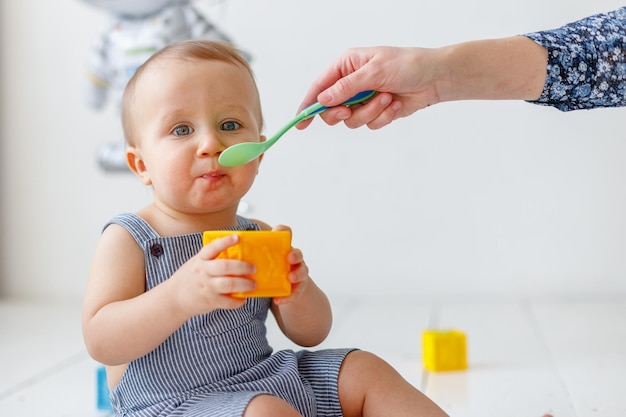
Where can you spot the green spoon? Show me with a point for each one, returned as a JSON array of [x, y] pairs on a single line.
[[242, 153]]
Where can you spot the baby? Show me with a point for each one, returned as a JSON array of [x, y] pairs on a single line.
[[158, 311]]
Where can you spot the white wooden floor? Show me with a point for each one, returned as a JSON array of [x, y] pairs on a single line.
[[526, 357]]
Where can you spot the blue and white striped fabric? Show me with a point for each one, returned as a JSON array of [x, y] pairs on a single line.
[[216, 363]]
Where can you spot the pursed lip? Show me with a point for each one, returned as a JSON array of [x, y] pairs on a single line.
[[213, 175]]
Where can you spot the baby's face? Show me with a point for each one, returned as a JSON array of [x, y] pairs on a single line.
[[202, 95], [186, 114]]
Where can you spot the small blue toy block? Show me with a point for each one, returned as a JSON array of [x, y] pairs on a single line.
[[102, 390]]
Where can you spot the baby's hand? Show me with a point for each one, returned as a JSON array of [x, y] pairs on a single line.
[[204, 283], [298, 275]]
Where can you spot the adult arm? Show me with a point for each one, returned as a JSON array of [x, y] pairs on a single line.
[[586, 62]]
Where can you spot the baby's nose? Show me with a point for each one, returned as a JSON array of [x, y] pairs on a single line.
[[210, 145]]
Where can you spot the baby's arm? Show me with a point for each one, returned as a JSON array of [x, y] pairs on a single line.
[[305, 317], [122, 321]]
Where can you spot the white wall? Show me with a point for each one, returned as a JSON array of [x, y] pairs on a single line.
[[494, 198]]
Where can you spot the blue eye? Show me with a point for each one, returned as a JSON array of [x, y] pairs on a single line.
[[229, 126], [182, 130]]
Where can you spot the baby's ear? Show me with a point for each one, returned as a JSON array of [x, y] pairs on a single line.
[[136, 164]]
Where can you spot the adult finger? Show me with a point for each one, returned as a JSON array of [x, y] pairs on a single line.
[[370, 111]]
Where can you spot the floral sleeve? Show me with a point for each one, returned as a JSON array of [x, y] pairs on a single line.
[[586, 63]]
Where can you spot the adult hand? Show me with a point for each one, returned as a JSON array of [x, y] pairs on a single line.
[[401, 76], [410, 79]]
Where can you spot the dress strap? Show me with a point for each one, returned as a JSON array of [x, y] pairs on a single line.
[[142, 231], [136, 226], [244, 223]]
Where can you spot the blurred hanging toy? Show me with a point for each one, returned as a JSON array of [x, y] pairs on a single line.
[[136, 29]]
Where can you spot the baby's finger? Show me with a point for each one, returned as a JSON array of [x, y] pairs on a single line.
[[283, 300], [299, 273], [230, 268], [229, 285], [295, 256], [282, 227], [213, 249]]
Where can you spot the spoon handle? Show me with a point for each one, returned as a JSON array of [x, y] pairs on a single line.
[[244, 152], [317, 108], [314, 109]]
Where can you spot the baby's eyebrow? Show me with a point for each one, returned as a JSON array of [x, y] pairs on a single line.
[[170, 116]]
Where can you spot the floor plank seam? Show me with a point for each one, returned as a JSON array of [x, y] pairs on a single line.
[[46, 373], [529, 311]]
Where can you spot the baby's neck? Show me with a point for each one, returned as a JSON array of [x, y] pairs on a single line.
[[173, 223]]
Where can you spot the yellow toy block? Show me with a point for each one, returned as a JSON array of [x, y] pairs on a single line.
[[267, 250], [444, 350]]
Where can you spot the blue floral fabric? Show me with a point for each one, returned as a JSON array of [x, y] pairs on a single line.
[[586, 63]]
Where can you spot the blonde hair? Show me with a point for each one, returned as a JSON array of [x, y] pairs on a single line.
[[190, 50]]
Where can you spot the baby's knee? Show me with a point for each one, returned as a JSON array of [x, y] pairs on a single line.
[[362, 361], [270, 406], [360, 370]]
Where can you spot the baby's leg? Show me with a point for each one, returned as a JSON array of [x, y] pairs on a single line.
[[270, 406], [369, 386]]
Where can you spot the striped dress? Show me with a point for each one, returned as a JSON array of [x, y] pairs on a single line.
[[216, 363]]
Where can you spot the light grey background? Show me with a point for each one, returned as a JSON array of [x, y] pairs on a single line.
[[494, 198]]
